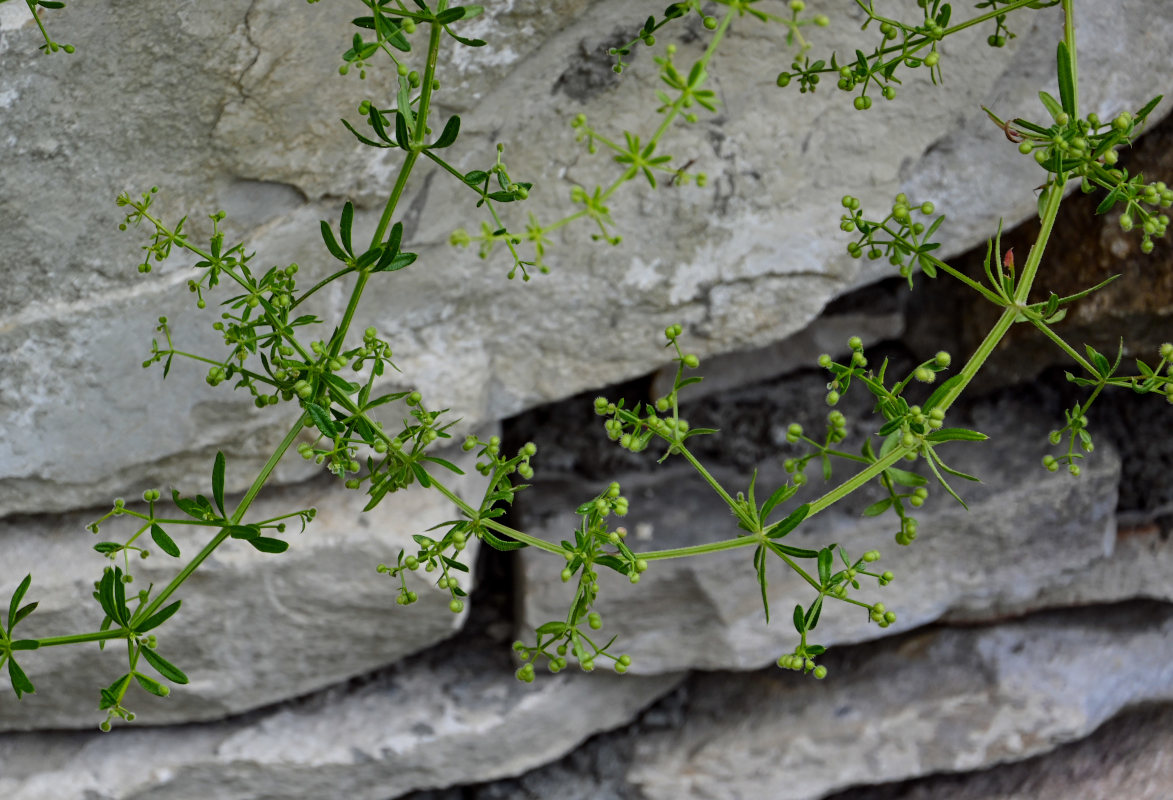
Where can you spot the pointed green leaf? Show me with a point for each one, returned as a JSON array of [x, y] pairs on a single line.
[[331, 243], [877, 508], [956, 434], [1066, 80], [450, 132], [151, 685], [218, 483], [158, 618], [163, 666], [165, 542], [793, 552], [780, 495], [497, 543], [1054, 108], [269, 545], [825, 561], [321, 419], [345, 226], [20, 682], [14, 604], [790, 523], [799, 619]]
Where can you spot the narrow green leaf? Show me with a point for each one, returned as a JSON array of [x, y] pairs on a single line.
[[794, 552], [345, 226], [14, 604], [151, 685], [269, 545], [402, 138], [1148, 107], [497, 543], [1054, 108], [24, 644], [243, 531], [20, 682], [790, 523], [165, 542], [1066, 80], [158, 618], [939, 393], [878, 508], [780, 495], [905, 478], [398, 262], [321, 419], [812, 615], [218, 483], [551, 628], [450, 132], [331, 243], [956, 434], [799, 619], [825, 561], [448, 465], [163, 666]]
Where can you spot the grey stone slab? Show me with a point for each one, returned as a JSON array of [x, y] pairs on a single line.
[[445, 718], [934, 701], [236, 106], [254, 628]]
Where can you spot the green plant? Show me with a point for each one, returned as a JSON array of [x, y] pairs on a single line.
[[274, 352]]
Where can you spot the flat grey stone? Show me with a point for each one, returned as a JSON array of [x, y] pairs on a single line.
[[445, 718], [935, 701], [240, 112], [254, 628]]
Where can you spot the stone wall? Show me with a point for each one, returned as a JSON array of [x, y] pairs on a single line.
[[1028, 627]]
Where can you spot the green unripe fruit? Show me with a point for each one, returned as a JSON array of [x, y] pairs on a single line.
[[710, 23], [595, 621], [932, 59]]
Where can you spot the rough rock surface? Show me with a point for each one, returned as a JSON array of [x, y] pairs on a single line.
[[944, 700], [254, 628], [939, 700], [236, 106], [455, 714], [1129, 756]]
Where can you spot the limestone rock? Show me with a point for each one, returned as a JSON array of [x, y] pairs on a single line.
[[446, 717], [254, 628], [240, 112], [1129, 756], [933, 701]]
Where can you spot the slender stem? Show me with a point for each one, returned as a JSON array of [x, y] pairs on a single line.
[[1066, 348], [348, 315], [79, 638], [1069, 40], [253, 490]]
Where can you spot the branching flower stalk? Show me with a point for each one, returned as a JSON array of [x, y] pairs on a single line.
[[269, 357]]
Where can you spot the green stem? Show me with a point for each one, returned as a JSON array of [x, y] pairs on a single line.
[[79, 638], [1066, 348], [1069, 40], [253, 490]]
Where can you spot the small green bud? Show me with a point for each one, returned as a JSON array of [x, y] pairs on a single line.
[[710, 23]]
